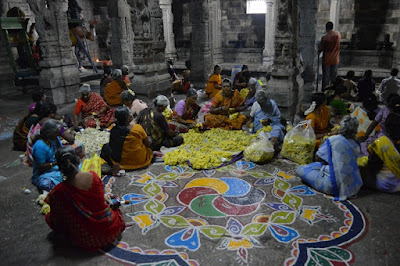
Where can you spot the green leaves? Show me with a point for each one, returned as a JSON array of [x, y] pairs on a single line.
[[254, 229], [152, 189], [174, 221], [154, 206], [213, 231], [282, 217]]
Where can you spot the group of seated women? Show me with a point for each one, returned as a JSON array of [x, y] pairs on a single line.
[[139, 130]]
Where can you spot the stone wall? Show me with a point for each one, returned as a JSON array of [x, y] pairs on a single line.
[[384, 14], [235, 23], [392, 21], [346, 19], [6, 73], [182, 29]]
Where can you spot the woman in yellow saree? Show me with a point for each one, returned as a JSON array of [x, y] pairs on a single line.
[[382, 171], [129, 145], [225, 109]]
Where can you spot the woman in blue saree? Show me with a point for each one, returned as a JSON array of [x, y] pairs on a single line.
[[336, 173], [265, 112], [46, 174]]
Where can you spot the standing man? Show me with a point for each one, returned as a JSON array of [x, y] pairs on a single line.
[[330, 46], [390, 85]]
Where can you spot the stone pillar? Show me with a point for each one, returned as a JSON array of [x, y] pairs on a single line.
[[308, 47], [334, 13], [270, 23], [59, 73], [200, 51], [168, 20], [215, 31], [121, 33], [286, 81], [150, 69]]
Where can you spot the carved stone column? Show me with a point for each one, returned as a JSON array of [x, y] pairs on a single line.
[[151, 76], [59, 73], [270, 23], [168, 20], [121, 33], [200, 51], [215, 30], [286, 80], [334, 13], [308, 47]]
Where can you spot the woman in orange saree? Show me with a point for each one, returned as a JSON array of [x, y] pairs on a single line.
[[113, 90], [214, 82], [319, 114], [93, 109], [225, 109], [78, 209]]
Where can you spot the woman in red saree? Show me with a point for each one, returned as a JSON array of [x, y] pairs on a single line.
[[95, 111], [78, 209], [225, 109]]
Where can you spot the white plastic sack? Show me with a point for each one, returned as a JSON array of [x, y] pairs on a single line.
[[261, 150], [299, 143]]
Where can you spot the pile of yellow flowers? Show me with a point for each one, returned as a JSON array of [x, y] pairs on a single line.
[[244, 92], [299, 149], [209, 149], [264, 129], [168, 114], [93, 140]]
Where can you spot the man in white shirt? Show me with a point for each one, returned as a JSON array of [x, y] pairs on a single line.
[[389, 85]]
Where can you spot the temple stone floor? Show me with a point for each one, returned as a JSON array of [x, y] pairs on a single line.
[[240, 214]]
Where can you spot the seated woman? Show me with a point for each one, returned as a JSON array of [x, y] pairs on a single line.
[[156, 127], [95, 112], [319, 114], [125, 77], [254, 86], [365, 114], [266, 113], [337, 103], [49, 111], [128, 146], [78, 210], [46, 174], [393, 105], [105, 79], [114, 89], [182, 85], [336, 172], [20, 136], [214, 82], [37, 96], [135, 105], [225, 109], [185, 112], [382, 171]]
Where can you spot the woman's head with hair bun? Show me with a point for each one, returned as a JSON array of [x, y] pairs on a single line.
[[67, 160]]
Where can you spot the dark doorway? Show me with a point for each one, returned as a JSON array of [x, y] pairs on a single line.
[[369, 19]]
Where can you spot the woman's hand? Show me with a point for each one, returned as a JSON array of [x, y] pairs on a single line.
[[266, 122], [362, 138]]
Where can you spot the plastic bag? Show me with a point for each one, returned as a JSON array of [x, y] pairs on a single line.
[[299, 143], [93, 164], [261, 150]]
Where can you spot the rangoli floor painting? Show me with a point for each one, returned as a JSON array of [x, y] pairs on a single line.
[[236, 215]]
